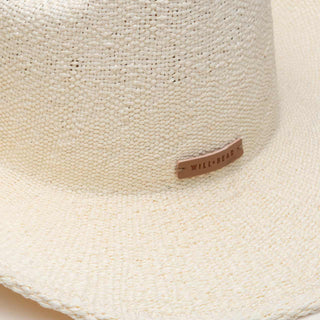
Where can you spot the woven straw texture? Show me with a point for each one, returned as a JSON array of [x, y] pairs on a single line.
[[98, 100]]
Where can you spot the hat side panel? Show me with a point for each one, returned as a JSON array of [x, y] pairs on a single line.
[[108, 96]]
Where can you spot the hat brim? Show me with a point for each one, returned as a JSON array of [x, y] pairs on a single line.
[[250, 249]]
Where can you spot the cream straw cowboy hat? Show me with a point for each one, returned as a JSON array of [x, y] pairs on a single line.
[[161, 159]]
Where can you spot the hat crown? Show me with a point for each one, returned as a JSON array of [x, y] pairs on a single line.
[[107, 96]]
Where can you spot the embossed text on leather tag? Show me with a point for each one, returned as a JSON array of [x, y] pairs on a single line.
[[210, 162]]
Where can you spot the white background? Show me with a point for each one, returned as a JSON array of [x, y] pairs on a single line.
[[15, 307]]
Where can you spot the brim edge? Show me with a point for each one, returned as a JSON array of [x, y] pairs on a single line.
[[266, 311]]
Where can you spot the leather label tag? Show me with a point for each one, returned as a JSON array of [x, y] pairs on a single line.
[[209, 162]]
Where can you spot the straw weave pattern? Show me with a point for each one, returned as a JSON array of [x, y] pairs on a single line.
[[106, 96], [98, 99]]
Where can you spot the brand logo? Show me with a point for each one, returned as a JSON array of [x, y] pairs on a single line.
[[210, 162]]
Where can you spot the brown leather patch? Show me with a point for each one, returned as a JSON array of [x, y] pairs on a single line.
[[210, 162]]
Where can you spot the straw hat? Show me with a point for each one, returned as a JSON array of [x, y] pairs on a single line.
[[154, 161]]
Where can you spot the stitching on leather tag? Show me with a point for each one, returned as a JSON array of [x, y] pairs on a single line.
[[210, 162]]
